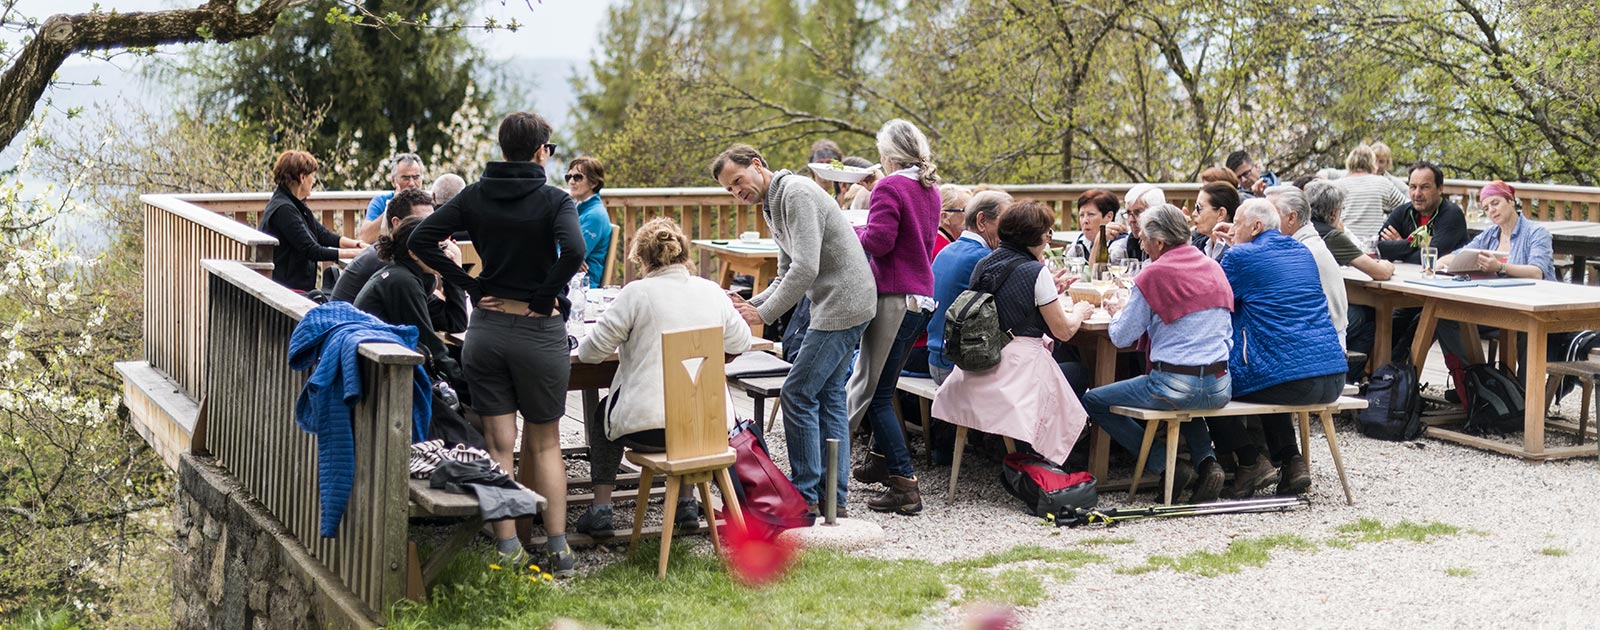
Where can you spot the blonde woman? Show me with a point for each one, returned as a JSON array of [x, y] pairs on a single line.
[[668, 297]]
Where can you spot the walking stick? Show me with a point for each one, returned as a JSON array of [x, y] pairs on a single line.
[[1079, 516]]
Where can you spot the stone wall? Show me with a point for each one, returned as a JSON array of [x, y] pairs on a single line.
[[237, 569]]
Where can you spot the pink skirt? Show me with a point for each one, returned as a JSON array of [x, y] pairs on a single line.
[[1025, 397]]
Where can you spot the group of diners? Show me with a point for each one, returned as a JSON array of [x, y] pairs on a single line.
[[1240, 300]]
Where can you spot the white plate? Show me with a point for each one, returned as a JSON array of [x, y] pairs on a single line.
[[843, 174]]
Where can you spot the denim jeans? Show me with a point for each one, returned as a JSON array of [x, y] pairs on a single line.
[[887, 438], [1159, 390], [815, 410], [1359, 332]]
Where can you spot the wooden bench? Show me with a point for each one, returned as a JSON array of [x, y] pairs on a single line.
[[923, 388], [759, 389], [1173, 418]]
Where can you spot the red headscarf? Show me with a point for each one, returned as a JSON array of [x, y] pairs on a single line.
[[1498, 188]]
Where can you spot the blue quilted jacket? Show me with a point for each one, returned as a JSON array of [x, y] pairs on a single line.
[[326, 342], [1281, 328]]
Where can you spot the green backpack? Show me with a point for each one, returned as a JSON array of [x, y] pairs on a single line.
[[972, 335]]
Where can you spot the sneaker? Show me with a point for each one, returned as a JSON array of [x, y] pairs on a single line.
[[596, 522], [1296, 476], [816, 512], [687, 519], [902, 497], [561, 564], [875, 469], [1251, 478], [515, 560], [1209, 486]]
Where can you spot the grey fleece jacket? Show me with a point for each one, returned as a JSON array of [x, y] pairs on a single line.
[[819, 256]]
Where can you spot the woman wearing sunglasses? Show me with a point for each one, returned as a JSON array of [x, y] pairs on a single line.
[[585, 178]]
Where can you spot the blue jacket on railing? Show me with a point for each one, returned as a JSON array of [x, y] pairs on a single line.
[[327, 339], [1281, 328]]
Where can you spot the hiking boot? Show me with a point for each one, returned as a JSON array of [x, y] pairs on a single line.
[[1296, 476], [687, 518], [561, 564], [874, 470], [1182, 476], [596, 522], [1209, 486], [816, 512], [902, 497], [1251, 478]]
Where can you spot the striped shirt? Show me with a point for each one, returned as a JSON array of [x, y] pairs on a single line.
[[1368, 199]]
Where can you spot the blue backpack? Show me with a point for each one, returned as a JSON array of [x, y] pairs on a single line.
[[1394, 404]]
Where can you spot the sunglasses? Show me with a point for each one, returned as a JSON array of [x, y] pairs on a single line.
[[574, 177], [550, 147]]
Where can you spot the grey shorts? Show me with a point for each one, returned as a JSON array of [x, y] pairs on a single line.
[[516, 363]]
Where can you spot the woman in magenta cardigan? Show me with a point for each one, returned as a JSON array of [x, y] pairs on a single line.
[[898, 239]]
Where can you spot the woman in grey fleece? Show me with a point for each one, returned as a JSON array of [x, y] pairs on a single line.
[[820, 257]]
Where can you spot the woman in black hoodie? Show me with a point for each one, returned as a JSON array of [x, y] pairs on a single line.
[[516, 356], [302, 240]]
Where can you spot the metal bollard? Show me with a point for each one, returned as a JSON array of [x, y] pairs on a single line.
[[830, 503]]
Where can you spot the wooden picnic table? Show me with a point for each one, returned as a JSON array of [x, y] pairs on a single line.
[[1535, 310], [1579, 239], [1094, 337], [758, 258]]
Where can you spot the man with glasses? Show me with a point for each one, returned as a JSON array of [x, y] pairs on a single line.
[[405, 172], [1252, 183]]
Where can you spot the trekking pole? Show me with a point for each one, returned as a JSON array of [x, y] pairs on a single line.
[[1079, 517], [830, 503]]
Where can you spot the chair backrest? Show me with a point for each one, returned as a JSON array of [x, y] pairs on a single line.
[[696, 392], [613, 252], [470, 260]]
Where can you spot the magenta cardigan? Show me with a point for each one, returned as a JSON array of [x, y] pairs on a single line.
[[898, 237]]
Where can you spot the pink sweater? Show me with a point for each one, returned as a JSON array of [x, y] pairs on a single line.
[[898, 236]]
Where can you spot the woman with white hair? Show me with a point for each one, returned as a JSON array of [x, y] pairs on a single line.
[[1140, 197], [898, 239], [1368, 196], [1181, 303], [1285, 348]]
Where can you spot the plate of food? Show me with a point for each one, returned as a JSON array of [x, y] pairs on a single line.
[[836, 171]]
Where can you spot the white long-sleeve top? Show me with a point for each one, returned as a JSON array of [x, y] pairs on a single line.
[[665, 300]]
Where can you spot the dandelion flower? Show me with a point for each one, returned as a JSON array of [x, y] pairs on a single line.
[[547, 577], [494, 567], [534, 568]]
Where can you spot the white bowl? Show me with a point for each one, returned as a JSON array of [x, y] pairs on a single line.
[[844, 174]]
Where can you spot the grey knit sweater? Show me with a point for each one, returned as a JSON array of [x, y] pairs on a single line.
[[819, 256]]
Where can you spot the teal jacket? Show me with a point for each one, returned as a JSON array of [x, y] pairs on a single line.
[[596, 226]]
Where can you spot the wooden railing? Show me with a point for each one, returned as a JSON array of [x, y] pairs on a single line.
[[249, 427], [711, 213], [177, 236]]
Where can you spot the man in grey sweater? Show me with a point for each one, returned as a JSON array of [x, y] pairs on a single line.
[[820, 257]]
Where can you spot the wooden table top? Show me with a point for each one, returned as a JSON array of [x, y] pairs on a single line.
[[760, 248], [757, 344], [1541, 296]]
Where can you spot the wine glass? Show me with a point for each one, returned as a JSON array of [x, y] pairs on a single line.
[[1075, 265], [1116, 271]]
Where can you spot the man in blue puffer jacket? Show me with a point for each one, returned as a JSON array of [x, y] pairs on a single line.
[[1285, 347]]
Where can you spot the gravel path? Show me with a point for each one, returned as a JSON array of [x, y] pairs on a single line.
[[1508, 511]]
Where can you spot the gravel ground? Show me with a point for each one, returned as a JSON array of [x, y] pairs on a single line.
[[1508, 511]]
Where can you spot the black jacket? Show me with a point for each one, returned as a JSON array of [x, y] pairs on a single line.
[[399, 294], [519, 224], [1448, 226], [302, 241]]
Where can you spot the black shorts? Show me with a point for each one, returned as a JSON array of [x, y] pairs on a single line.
[[516, 363]]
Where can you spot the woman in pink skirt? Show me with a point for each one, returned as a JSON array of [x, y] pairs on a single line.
[[1026, 396]]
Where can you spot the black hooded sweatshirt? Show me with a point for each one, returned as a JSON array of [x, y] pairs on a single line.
[[526, 232]]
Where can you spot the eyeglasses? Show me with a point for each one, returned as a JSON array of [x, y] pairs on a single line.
[[550, 147], [411, 178], [574, 177]]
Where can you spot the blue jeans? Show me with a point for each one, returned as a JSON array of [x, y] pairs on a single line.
[[887, 438], [815, 409], [1159, 390]]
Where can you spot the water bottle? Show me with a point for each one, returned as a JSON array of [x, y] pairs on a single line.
[[580, 301]]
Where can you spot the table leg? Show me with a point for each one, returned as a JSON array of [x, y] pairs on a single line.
[[1580, 267], [1382, 335], [1105, 373], [725, 274], [1474, 343], [1424, 338], [1533, 413]]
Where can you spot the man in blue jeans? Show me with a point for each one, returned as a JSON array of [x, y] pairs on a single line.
[[819, 257], [1183, 304]]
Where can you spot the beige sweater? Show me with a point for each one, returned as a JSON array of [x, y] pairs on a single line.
[[667, 299]]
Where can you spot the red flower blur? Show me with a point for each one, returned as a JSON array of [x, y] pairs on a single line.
[[754, 555]]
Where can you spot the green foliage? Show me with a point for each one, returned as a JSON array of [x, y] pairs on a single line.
[[1102, 541], [1243, 552], [1554, 552], [1458, 572], [1373, 530], [375, 69], [38, 620]]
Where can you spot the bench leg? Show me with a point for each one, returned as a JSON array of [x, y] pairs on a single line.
[[927, 428], [1172, 459], [955, 458], [1583, 415], [1144, 454], [1338, 461], [1011, 445], [1304, 420], [760, 403]]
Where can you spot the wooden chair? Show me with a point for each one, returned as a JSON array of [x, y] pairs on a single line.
[[613, 253], [1586, 372], [697, 434]]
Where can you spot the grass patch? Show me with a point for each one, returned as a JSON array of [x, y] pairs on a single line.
[[823, 589], [1555, 552], [1373, 530], [1458, 572], [1243, 552], [1103, 541]]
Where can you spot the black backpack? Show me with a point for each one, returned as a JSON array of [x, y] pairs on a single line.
[[1498, 400], [1045, 488], [1394, 404], [973, 338]]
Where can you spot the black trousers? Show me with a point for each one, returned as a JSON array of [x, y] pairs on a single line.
[[1230, 434]]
